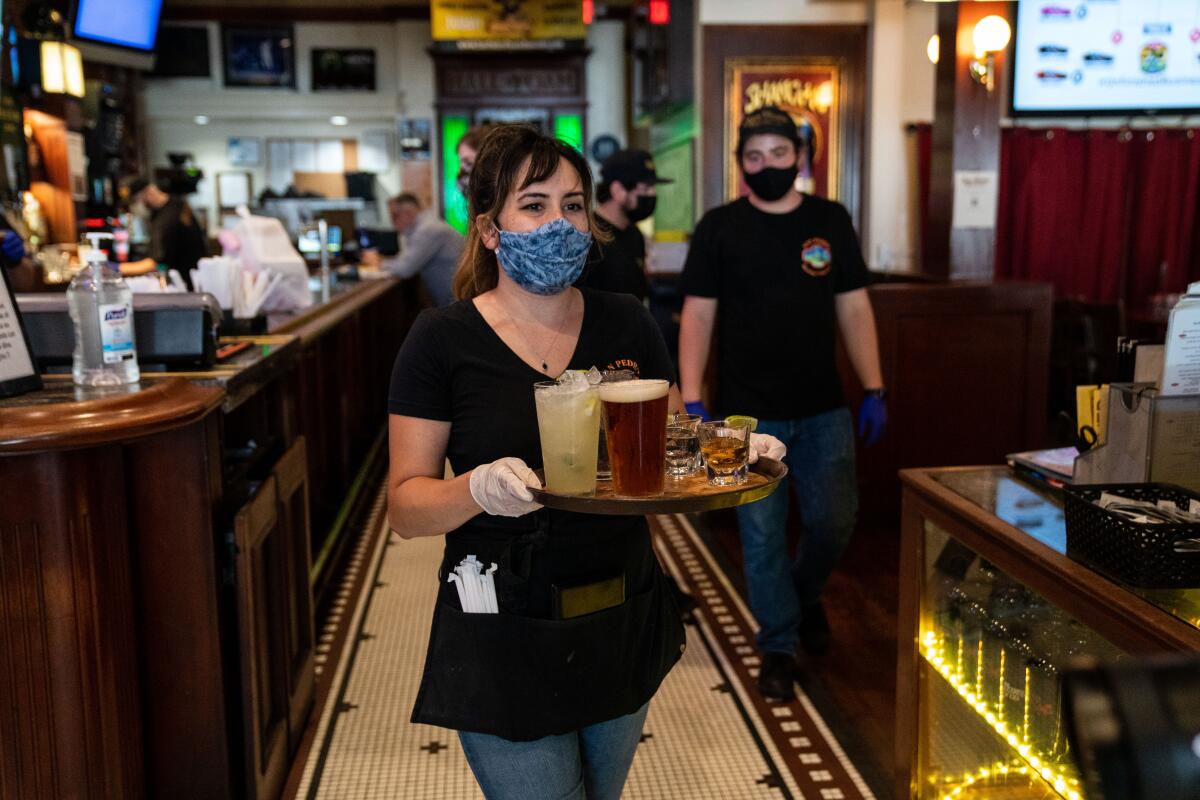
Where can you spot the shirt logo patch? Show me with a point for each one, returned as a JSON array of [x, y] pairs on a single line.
[[816, 257], [625, 363]]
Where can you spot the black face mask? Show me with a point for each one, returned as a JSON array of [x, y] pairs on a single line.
[[772, 183], [643, 209], [464, 180]]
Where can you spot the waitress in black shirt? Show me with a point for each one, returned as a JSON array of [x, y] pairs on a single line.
[[545, 706]]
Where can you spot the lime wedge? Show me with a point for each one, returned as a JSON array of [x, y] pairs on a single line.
[[738, 419]]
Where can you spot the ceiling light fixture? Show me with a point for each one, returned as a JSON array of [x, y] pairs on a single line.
[[339, 120]]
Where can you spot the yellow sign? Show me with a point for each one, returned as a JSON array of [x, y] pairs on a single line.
[[507, 20]]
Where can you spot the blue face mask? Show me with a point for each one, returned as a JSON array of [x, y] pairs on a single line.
[[546, 260]]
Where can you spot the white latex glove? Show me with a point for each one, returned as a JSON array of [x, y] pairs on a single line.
[[501, 488], [762, 444]]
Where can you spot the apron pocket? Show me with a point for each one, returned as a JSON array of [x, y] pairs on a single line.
[[524, 678]]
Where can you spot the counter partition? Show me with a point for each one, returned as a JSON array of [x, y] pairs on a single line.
[[156, 557], [991, 611]]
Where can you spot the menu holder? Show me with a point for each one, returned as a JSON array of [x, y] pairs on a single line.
[[680, 495], [18, 370]]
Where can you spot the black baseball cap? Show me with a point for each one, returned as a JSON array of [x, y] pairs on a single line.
[[630, 167], [768, 119]]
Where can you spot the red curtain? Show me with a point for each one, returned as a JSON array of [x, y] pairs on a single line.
[[1105, 216]]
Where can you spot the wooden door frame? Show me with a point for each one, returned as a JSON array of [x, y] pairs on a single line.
[[845, 44]]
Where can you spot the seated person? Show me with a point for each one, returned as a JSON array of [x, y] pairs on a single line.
[[428, 247]]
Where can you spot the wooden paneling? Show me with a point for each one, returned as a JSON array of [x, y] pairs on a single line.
[[179, 584], [69, 703], [291, 481], [846, 44], [967, 369], [345, 368], [150, 643], [966, 136], [260, 579]]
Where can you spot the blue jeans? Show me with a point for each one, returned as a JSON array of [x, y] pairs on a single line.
[[589, 763], [820, 462]]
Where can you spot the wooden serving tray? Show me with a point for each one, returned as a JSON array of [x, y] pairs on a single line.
[[680, 495]]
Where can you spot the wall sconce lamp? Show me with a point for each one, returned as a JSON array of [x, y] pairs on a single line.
[[990, 36], [934, 48], [62, 69], [43, 52]]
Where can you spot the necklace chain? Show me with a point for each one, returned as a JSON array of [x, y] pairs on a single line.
[[557, 332]]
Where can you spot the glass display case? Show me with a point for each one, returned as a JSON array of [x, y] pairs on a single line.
[[992, 611]]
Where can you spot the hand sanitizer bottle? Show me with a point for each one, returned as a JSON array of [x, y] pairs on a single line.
[[101, 306]]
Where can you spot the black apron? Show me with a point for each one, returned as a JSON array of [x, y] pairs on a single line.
[[522, 675]]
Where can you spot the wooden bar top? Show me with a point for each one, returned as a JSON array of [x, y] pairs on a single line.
[[64, 416], [319, 318]]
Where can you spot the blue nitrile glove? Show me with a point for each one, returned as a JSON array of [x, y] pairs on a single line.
[[12, 247], [696, 407], [872, 419]]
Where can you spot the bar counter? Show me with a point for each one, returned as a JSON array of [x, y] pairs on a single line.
[[156, 569], [991, 610]]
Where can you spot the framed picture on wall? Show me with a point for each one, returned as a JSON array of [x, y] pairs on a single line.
[[337, 70], [809, 90], [259, 55], [244, 151]]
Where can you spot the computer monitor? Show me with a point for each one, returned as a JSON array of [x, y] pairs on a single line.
[[309, 242]]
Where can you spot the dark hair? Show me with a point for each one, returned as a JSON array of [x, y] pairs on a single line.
[[604, 190], [475, 135], [405, 197], [503, 154]]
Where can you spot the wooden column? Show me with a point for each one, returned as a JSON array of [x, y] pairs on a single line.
[[966, 137]]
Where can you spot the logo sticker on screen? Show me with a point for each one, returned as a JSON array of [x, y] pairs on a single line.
[[816, 257]]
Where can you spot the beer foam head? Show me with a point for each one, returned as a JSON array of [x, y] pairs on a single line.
[[636, 391]]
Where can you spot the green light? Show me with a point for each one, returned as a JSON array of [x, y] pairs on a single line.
[[569, 128], [453, 128]]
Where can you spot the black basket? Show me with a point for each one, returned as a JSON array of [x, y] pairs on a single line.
[[1139, 555]]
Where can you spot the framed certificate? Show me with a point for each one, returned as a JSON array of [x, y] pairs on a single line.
[[18, 371]]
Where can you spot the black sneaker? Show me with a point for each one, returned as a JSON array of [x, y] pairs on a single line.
[[776, 676], [814, 630]]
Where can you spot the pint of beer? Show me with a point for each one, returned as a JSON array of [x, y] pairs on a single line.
[[635, 425]]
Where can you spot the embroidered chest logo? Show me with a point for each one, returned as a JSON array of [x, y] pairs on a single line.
[[626, 363], [816, 257]]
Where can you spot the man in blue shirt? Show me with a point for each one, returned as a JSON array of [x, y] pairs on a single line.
[[428, 247]]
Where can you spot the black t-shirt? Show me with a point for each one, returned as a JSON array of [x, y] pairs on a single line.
[[453, 367], [776, 277], [176, 237], [620, 265]]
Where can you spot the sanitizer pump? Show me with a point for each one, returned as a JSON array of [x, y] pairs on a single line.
[[101, 306]]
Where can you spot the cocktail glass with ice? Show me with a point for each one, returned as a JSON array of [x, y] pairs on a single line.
[[568, 412]]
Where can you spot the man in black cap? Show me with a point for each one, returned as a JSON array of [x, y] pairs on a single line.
[[625, 195], [176, 237], [787, 272]]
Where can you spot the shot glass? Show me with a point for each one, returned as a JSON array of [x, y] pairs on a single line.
[[683, 445], [726, 450]]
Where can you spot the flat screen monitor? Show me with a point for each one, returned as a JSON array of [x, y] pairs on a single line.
[[124, 23], [309, 243], [1084, 57]]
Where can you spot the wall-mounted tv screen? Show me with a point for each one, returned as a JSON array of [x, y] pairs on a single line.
[[124, 23], [1081, 57]]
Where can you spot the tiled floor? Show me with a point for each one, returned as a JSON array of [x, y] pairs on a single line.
[[707, 735]]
